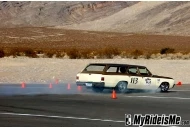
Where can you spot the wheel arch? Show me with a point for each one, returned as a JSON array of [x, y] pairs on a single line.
[[164, 82]]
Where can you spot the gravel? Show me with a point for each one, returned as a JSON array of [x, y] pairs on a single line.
[[48, 70]]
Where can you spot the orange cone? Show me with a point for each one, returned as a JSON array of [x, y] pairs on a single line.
[[179, 83], [68, 86], [114, 95], [79, 88], [50, 85], [23, 85]]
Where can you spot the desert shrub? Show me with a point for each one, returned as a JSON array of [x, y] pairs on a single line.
[[185, 57], [7, 52], [179, 55], [73, 53], [15, 52], [87, 54], [21, 52], [136, 53], [109, 52], [2, 53], [30, 53], [148, 55], [123, 54], [49, 54], [158, 56], [39, 52], [167, 50], [60, 54], [94, 54]]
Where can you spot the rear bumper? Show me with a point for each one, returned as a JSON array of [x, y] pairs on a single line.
[[94, 84]]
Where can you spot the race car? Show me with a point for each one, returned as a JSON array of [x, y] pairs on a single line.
[[121, 77]]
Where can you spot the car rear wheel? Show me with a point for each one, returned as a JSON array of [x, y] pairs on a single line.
[[97, 89], [122, 87], [164, 87]]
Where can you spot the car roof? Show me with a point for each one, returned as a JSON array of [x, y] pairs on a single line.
[[115, 64]]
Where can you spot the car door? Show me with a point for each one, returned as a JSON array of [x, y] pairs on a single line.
[[147, 82], [114, 74], [135, 79]]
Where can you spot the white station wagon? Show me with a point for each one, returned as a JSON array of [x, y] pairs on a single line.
[[121, 77]]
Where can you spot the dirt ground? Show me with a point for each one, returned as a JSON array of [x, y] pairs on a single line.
[[60, 39]]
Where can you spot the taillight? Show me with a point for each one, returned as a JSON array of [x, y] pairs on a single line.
[[102, 78], [77, 77]]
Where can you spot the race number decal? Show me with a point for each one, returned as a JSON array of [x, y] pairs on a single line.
[[134, 80], [148, 81]]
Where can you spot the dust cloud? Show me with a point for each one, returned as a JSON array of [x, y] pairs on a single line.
[[40, 89], [53, 88]]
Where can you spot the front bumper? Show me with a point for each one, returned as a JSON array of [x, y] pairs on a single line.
[[94, 84]]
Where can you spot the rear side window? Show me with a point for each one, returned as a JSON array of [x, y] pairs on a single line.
[[96, 68], [112, 69], [117, 69]]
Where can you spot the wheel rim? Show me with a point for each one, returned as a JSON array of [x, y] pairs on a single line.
[[164, 87], [122, 86]]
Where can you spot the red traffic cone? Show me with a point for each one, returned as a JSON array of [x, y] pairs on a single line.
[[179, 83], [68, 86], [114, 95], [50, 85], [79, 88], [23, 85]]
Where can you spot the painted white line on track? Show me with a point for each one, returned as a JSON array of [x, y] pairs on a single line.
[[179, 90], [68, 117], [181, 98], [62, 117]]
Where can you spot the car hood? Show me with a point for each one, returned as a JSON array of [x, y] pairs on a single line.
[[157, 76]]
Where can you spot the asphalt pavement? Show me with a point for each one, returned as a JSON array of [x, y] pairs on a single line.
[[63, 105]]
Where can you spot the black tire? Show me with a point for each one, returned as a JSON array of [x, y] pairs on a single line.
[[164, 87], [97, 89], [122, 87]]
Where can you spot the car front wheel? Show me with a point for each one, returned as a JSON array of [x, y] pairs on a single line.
[[164, 87]]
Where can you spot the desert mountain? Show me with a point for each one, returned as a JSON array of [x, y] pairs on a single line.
[[19, 14], [155, 17], [162, 17]]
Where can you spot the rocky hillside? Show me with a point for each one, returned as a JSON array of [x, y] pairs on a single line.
[[161, 17], [155, 17], [19, 14]]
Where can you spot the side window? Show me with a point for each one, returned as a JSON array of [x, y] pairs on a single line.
[[132, 70], [143, 71], [97, 68], [112, 69]]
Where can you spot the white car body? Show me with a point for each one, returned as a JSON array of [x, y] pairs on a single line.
[[109, 75]]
